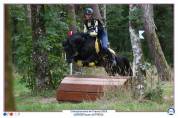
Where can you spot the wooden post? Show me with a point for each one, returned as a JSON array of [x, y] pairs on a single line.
[[71, 67]]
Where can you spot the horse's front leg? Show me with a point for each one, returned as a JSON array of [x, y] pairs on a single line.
[[90, 61]]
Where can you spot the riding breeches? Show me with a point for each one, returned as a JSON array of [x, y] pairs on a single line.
[[104, 39]]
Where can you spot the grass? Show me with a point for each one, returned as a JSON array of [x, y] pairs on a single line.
[[120, 101]]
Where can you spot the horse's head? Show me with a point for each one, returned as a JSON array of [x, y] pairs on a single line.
[[72, 45], [68, 50]]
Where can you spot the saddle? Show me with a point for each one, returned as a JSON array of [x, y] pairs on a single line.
[[98, 49]]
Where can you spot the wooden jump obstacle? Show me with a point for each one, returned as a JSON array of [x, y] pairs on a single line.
[[77, 88]]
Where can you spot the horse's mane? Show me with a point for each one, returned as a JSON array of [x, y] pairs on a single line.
[[77, 40], [80, 37], [82, 34]]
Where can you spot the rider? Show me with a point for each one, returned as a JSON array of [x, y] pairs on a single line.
[[95, 29]]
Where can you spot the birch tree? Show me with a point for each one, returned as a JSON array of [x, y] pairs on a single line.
[[138, 77]]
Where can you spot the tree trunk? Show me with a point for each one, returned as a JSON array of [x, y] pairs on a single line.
[[72, 18], [97, 13], [104, 14], [28, 12], [153, 43], [72, 27], [138, 77], [104, 19], [14, 33], [9, 98], [40, 57]]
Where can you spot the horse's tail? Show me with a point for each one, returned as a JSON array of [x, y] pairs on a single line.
[[127, 66]]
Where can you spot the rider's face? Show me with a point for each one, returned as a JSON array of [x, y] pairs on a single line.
[[88, 16]]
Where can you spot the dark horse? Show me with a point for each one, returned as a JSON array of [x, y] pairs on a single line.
[[81, 46]]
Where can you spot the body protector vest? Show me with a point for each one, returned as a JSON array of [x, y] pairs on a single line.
[[93, 26]]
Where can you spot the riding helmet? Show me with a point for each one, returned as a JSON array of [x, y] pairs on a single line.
[[88, 11]]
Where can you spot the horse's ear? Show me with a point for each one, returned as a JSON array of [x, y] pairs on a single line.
[[81, 33], [70, 33]]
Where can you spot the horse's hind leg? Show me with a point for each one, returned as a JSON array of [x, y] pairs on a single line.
[[109, 69], [128, 68]]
